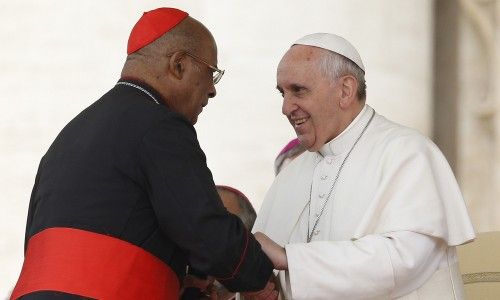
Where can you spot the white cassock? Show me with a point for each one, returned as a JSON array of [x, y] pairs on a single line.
[[389, 228]]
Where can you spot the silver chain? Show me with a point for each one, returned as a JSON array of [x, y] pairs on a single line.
[[311, 233], [139, 88]]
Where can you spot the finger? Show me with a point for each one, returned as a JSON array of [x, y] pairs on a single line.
[[188, 281], [272, 296], [269, 286], [265, 293], [213, 294], [202, 284]]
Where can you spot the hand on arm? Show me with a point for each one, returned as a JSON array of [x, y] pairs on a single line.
[[268, 293], [200, 288], [275, 252]]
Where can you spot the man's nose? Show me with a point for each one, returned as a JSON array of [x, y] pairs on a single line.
[[288, 106], [212, 91]]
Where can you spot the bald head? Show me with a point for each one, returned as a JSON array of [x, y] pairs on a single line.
[[237, 203]]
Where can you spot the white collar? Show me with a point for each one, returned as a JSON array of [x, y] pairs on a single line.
[[346, 138]]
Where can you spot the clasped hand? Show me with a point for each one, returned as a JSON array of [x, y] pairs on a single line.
[[275, 252]]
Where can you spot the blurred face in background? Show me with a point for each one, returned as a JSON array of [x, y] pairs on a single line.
[[230, 201]]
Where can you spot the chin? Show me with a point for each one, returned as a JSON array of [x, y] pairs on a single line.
[[194, 120]]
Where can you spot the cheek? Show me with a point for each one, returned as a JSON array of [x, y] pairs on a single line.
[[197, 91], [327, 124], [321, 119], [202, 87], [197, 86]]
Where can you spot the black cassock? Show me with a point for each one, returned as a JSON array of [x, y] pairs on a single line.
[[129, 168]]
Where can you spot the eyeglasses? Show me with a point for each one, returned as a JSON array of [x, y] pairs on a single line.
[[217, 73]]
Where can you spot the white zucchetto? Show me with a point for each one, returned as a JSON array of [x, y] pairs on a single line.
[[333, 43]]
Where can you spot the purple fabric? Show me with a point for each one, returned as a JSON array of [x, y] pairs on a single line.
[[292, 144], [291, 150]]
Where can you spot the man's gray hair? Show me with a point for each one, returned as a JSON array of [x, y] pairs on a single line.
[[334, 65], [248, 214]]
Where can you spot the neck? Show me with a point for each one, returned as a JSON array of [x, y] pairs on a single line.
[[349, 118], [137, 71], [355, 112]]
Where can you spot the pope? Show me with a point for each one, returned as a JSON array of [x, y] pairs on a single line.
[[372, 209]]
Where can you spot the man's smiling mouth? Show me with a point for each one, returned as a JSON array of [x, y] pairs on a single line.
[[299, 121]]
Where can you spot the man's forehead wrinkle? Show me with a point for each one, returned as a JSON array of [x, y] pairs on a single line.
[[295, 73], [300, 61]]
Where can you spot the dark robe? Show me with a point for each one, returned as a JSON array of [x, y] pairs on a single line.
[[132, 169]]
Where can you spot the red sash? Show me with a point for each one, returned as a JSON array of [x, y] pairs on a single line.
[[93, 265]]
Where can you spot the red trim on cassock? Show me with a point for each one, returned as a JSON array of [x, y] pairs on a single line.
[[93, 265], [242, 257]]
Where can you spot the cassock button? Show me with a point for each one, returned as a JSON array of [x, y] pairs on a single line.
[[316, 232], [322, 196], [324, 177], [329, 160]]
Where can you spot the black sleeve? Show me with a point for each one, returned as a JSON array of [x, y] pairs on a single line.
[[32, 206], [190, 212]]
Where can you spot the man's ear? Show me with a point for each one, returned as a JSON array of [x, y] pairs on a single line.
[[176, 65], [349, 89]]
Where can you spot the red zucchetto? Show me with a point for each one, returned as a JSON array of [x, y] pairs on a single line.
[[152, 25]]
